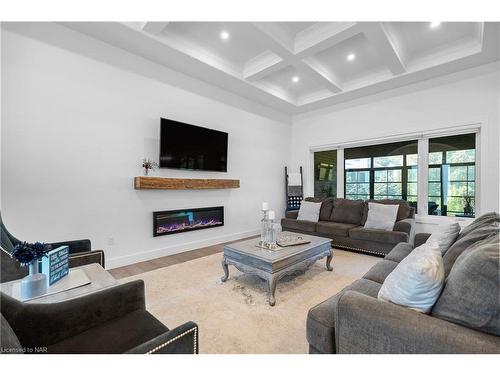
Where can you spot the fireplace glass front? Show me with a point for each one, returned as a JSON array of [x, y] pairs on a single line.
[[177, 221]]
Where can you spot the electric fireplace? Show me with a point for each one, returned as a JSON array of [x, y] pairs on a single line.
[[189, 219]]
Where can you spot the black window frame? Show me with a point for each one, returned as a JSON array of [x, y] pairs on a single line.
[[404, 168], [442, 203]]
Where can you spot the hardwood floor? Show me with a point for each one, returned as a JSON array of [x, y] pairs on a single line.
[[149, 265]]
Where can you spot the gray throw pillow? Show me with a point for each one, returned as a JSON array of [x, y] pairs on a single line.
[[470, 295], [347, 211], [464, 242], [445, 235], [486, 219]]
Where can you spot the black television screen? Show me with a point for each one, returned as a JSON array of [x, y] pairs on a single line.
[[185, 146]]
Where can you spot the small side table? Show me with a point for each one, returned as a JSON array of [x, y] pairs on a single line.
[[99, 279]]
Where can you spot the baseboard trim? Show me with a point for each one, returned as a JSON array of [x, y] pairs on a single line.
[[176, 249]]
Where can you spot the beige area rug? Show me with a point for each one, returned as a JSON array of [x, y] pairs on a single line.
[[235, 317]]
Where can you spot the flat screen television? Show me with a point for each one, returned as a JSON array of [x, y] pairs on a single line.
[[186, 146]]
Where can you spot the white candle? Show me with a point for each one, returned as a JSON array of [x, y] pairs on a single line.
[[265, 206], [271, 215]]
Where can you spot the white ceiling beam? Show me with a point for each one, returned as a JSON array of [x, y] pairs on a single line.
[[323, 35], [282, 46], [277, 39], [490, 39], [378, 36], [309, 66], [151, 55], [262, 65], [154, 27]]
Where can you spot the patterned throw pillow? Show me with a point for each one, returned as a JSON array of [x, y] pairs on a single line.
[[417, 280]]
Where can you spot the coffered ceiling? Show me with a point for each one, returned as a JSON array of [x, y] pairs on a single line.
[[296, 67]]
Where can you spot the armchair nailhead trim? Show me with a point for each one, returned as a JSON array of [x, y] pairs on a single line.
[[195, 329]]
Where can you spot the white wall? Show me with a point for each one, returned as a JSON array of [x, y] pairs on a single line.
[[467, 97], [74, 132], [75, 129]]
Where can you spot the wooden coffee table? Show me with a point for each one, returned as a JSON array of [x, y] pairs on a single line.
[[272, 265]]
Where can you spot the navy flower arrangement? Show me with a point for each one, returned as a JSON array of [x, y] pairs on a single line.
[[25, 253]]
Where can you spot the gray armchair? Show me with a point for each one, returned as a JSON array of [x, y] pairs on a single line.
[[80, 253], [113, 320]]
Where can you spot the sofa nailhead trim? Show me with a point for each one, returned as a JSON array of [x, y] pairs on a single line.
[[357, 249], [195, 329]]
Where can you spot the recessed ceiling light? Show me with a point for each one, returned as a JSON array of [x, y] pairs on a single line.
[[224, 35], [433, 25], [295, 79], [351, 57]]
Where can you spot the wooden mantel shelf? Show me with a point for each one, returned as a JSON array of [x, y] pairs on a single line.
[[144, 182]]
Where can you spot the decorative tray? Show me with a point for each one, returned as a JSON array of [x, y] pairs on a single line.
[[292, 242]]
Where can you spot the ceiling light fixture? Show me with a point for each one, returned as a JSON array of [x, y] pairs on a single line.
[[224, 35], [295, 79], [433, 25], [351, 57]]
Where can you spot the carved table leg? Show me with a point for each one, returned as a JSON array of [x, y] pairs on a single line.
[[226, 270], [328, 261], [272, 290]]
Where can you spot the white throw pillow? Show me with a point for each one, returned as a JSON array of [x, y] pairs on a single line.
[[417, 280], [309, 211], [445, 235], [381, 216]]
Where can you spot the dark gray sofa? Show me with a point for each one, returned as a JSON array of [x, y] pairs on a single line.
[[465, 318], [342, 220]]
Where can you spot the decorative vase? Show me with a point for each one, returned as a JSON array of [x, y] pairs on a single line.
[[146, 171], [35, 284], [264, 223]]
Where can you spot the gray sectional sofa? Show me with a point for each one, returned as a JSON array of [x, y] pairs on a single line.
[[342, 220], [465, 318]]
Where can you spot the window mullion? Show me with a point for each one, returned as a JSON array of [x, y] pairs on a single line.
[[404, 179], [423, 175], [340, 173]]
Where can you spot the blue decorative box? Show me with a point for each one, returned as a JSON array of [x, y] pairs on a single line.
[[56, 264]]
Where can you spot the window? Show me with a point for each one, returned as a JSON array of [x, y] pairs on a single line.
[[325, 173], [452, 179], [388, 184], [357, 185], [386, 171], [391, 171], [411, 179]]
